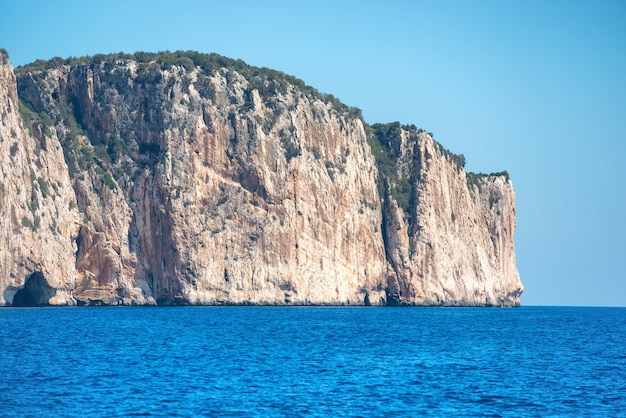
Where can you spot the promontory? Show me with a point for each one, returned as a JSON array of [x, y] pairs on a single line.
[[189, 178]]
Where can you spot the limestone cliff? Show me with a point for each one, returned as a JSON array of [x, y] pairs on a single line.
[[195, 179], [448, 233], [38, 219]]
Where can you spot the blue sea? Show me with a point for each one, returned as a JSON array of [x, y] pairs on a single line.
[[312, 361]]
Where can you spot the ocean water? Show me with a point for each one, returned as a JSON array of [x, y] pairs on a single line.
[[312, 361]]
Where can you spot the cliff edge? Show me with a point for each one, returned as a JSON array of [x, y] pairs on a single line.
[[184, 178], [448, 233]]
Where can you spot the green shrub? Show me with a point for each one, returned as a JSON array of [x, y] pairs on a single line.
[[379, 138], [205, 87], [504, 174], [402, 192], [384, 141], [108, 180], [116, 148], [27, 223], [187, 63], [457, 159], [4, 56], [43, 187], [330, 169], [223, 199], [266, 80], [85, 157], [27, 114], [475, 179], [45, 120], [34, 202], [292, 149], [100, 152]]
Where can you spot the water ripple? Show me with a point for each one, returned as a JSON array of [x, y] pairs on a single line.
[[254, 361]]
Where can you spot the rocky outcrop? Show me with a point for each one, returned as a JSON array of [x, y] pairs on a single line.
[[195, 179], [38, 222], [448, 234]]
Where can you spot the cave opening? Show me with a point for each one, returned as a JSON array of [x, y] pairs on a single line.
[[36, 292]]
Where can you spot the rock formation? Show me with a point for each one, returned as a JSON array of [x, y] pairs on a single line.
[[195, 179], [448, 234]]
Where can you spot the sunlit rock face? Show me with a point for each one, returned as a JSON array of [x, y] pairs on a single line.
[[448, 234], [38, 223], [195, 179]]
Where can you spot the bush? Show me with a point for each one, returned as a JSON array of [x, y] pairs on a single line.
[[4, 56], [85, 157], [266, 80], [101, 152], [27, 114], [205, 88], [457, 159], [330, 169], [187, 63], [402, 193], [292, 149], [380, 144], [384, 141], [504, 174], [116, 148], [108, 180], [27, 223], [34, 202], [475, 179], [43, 187]]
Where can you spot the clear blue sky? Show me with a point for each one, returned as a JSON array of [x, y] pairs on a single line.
[[537, 88]]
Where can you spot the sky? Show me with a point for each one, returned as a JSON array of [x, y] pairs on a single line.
[[537, 88]]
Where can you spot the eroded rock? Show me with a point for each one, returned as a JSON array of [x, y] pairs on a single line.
[[130, 180]]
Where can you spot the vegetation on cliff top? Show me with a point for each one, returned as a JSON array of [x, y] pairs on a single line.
[[266, 80], [477, 178], [4, 56], [384, 141]]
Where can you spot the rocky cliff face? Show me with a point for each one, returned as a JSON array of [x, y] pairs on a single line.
[[38, 221], [194, 179], [448, 234]]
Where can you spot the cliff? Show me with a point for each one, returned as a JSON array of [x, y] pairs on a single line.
[[195, 179], [448, 233]]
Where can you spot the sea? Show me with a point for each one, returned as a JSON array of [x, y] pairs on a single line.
[[312, 361]]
